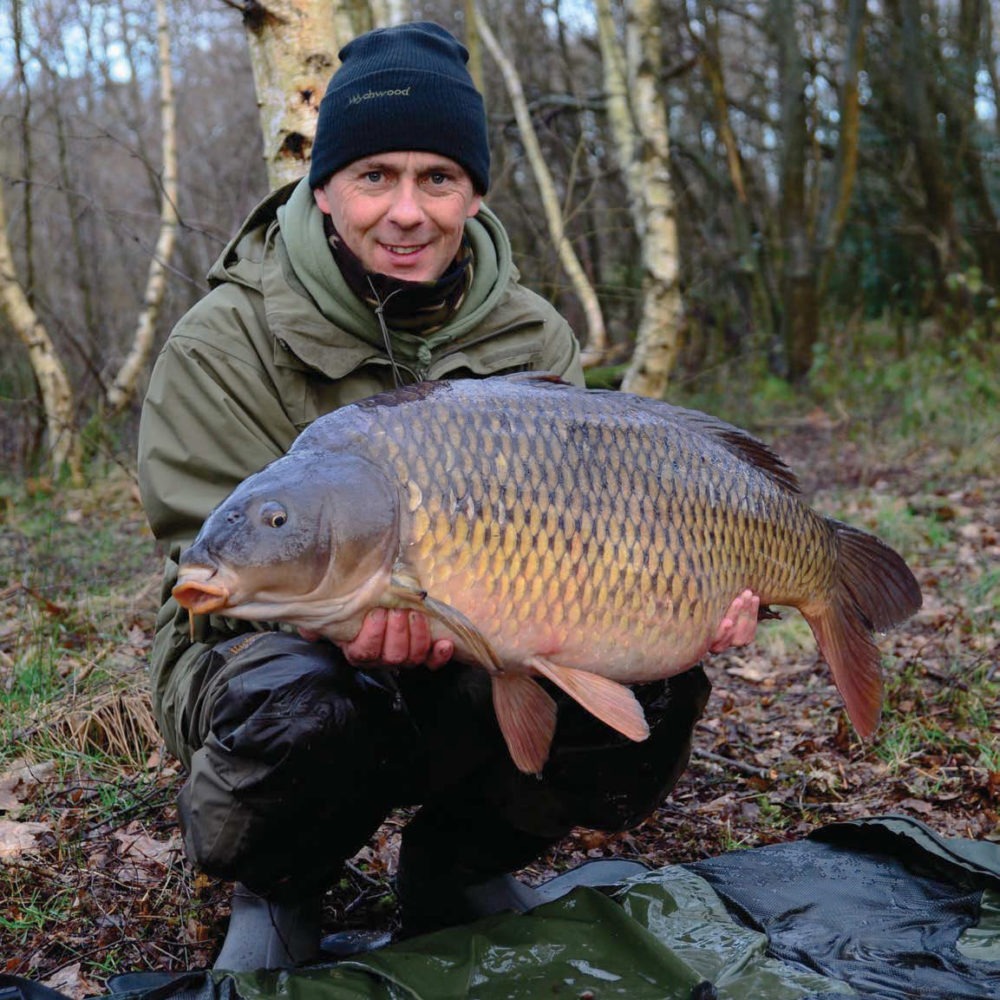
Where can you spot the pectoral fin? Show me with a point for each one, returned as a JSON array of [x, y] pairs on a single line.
[[527, 717], [612, 703], [405, 592]]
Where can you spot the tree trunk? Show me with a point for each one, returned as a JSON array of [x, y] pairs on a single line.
[[389, 12], [123, 387], [596, 345], [990, 59], [920, 110], [753, 293], [639, 126], [472, 43], [293, 52], [53, 385], [962, 120], [800, 312], [25, 130], [846, 167]]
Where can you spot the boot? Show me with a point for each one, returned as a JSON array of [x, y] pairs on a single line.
[[269, 934], [428, 904], [506, 893]]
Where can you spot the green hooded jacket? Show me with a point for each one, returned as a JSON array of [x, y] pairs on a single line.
[[278, 341]]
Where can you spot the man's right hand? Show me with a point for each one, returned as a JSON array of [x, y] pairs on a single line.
[[397, 638]]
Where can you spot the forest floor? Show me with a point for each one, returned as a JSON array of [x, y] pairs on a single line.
[[92, 877]]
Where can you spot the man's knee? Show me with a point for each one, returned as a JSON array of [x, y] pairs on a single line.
[[275, 694], [292, 775]]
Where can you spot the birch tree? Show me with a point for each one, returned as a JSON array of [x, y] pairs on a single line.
[[596, 344], [387, 12], [291, 45], [123, 387], [293, 51], [54, 386], [638, 120]]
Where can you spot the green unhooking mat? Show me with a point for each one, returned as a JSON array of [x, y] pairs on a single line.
[[880, 908]]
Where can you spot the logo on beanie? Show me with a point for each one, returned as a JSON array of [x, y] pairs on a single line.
[[372, 94]]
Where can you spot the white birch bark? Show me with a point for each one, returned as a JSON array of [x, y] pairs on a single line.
[[53, 384], [595, 347], [389, 12], [638, 119], [123, 387], [293, 51]]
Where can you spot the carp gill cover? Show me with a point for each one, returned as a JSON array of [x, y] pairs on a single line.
[[593, 538]]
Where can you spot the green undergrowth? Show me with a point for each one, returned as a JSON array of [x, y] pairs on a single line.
[[937, 403], [77, 577]]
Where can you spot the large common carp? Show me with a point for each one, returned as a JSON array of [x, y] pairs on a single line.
[[593, 538]]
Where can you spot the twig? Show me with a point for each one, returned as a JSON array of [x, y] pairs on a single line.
[[757, 772], [355, 870]]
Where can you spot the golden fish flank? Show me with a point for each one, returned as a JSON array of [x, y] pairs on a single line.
[[592, 538], [517, 519]]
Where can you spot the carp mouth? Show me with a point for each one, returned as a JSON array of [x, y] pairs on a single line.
[[195, 591]]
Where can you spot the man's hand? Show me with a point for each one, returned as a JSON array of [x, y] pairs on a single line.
[[395, 638], [739, 626]]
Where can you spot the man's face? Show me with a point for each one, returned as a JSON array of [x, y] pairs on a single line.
[[403, 213]]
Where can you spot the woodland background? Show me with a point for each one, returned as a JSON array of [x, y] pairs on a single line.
[[771, 175], [781, 212]]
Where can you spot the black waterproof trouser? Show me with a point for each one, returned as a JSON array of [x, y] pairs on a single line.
[[302, 757]]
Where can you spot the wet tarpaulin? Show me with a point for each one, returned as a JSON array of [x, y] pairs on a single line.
[[880, 908], [884, 905]]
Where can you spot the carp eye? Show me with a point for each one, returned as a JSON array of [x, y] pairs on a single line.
[[274, 515]]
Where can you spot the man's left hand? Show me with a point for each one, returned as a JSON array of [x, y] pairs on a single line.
[[739, 625]]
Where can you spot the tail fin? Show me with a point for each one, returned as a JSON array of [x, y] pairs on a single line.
[[875, 590]]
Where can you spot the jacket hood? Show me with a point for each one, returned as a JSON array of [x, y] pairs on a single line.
[[281, 251]]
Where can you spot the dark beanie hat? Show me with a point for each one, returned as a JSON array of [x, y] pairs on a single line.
[[402, 88]]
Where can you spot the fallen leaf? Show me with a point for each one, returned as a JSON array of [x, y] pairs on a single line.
[[822, 780], [756, 673], [917, 806], [71, 981], [19, 838], [9, 802], [195, 932], [21, 775], [145, 858]]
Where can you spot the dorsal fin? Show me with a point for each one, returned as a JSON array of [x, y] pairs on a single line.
[[741, 444]]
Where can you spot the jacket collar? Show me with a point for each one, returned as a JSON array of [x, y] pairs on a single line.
[[317, 321]]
